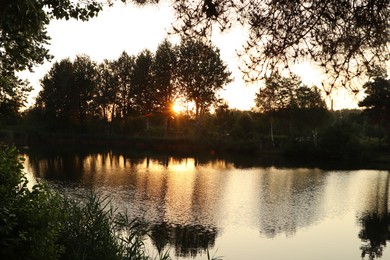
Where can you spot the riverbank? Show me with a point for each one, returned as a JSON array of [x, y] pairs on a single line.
[[296, 151]]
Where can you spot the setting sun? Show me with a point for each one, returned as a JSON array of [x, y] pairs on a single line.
[[177, 108]]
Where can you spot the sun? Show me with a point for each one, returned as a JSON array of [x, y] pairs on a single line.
[[177, 108]]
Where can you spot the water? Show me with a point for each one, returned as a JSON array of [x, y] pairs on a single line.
[[238, 209]]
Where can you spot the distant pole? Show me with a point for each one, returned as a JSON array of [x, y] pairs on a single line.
[[272, 134]]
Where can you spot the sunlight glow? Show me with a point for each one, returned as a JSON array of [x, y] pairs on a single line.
[[177, 108]]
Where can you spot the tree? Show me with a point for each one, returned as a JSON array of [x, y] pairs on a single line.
[[164, 74], [201, 73], [13, 96], [53, 99], [23, 34], [376, 104], [286, 97], [123, 69], [344, 37], [106, 91], [278, 94], [164, 69], [68, 91], [142, 93]]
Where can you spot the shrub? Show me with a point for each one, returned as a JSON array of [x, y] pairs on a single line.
[[29, 219]]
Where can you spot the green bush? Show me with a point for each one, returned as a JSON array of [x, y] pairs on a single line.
[[29, 219]]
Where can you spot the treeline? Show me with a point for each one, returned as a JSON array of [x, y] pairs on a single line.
[[126, 94], [130, 102]]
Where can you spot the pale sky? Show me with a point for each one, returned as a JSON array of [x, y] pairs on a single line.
[[132, 29]]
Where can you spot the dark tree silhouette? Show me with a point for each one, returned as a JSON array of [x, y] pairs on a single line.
[[13, 96], [287, 97], [201, 74], [24, 40], [123, 69], [68, 90], [105, 98], [164, 70], [143, 92], [376, 104]]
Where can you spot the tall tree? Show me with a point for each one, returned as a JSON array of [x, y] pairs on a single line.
[[286, 97], [143, 92], [67, 91], [278, 93], [164, 74], [24, 40], [53, 99], [376, 104], [13, 96], [201, 73], [164, 70], [85, 78], [123, 69], [106, 91]]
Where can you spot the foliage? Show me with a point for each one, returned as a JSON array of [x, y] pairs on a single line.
[[121, 97], [201, 73], [342, 140], [345, 38], [23, 34], [24, 39], [375, 233], [278, 93], [287, 97], [281, 93], [68, 90], [376, 104], [164, 72], [143, 91], [29, 218], [13, 96]]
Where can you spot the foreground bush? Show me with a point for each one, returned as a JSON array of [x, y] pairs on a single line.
[[38, 223], [30, 220]]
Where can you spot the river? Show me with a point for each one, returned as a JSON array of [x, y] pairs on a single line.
[[236, 208]]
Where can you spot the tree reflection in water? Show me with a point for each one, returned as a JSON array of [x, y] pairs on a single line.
[[188, 240], [375, 233], [375, 223]]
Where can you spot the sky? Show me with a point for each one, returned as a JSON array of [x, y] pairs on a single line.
[[133, 29]]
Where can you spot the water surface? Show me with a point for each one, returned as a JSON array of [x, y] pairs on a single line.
[[235, 209]]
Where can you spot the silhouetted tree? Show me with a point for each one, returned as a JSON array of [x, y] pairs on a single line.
[[123, 70], [164, 74], [376, 104], [24, 40], [278, 93], [201, 73], [13, 96], [143, 91], [287, 97], [23, 24], [68, 90], [105, 98]]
